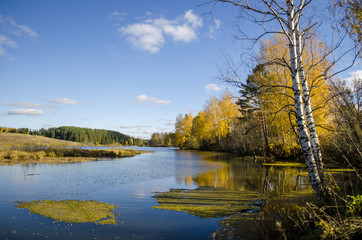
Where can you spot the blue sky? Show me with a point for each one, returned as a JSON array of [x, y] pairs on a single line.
[[129, 66]]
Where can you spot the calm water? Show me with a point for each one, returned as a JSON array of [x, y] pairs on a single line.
[[129, 183]]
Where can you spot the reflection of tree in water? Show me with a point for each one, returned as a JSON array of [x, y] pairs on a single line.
[[242, 174]]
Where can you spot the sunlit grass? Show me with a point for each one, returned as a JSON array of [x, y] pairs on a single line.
[[24, 140], [22, 148], [60, 155], [73, 211]]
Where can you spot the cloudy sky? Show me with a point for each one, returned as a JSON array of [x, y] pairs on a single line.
[[129, 66]]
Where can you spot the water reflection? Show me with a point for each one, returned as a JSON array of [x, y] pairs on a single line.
[[130, 183], [247, 175]]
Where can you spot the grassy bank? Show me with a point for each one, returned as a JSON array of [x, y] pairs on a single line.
[[21, 148], [24, 140], [60, 155]]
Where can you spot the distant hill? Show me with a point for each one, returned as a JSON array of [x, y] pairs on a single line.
[[82, 135], [25, 140]]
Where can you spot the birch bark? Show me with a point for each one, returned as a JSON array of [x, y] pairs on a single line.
[[289, 27], [317, 154], [298, 100]]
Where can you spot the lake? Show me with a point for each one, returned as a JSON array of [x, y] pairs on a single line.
[[130, 184]]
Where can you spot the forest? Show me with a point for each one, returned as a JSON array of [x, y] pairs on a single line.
[[252, 123], [82, 135], [291, 105]]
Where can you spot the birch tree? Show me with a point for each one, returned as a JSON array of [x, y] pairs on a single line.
[[283, 17]]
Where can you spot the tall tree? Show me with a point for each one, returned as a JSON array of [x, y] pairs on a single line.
[[346, 142], [313, 84], [288, 16], [155, 139], [183, 130]]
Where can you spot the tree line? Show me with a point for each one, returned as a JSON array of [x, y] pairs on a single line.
[[261, 118], [295, 72], [163, 139], [82, 135]]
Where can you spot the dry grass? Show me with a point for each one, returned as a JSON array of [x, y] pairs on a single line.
[[24, 140], [22, 148], [60, 155]]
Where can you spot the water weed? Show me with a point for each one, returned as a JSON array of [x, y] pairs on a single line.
[[207, 202], [72, 211]]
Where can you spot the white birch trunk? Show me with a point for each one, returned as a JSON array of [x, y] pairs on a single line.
[[298, 103], [317, 154]]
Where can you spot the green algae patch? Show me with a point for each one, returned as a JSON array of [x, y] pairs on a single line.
[[207, 202], [73, 211], [285, 164]]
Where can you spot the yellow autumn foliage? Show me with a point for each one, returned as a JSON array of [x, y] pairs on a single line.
[[210, 126], [277, 101]]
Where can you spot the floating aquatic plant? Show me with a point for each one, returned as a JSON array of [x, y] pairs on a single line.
[[73, 211], [207, 202]]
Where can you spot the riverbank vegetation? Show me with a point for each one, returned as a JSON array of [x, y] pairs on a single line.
[[8, 139], [82, 135], [22, 148], [59, 155]]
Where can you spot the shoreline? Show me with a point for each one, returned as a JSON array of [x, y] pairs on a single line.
[[58, 156], [50, 160]]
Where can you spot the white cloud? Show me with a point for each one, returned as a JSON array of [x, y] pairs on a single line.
[[144, 36], [5, 41], [170, 124], [181, 33], [28, 105], [355, 74], [142, 134], [144, 98], [151, 34], [212, 87], [214, 28], [64, 101], [23, 104], [134, 126], [192, 18], [28, 112], [27, 30], [8, 25], [117, 15]]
